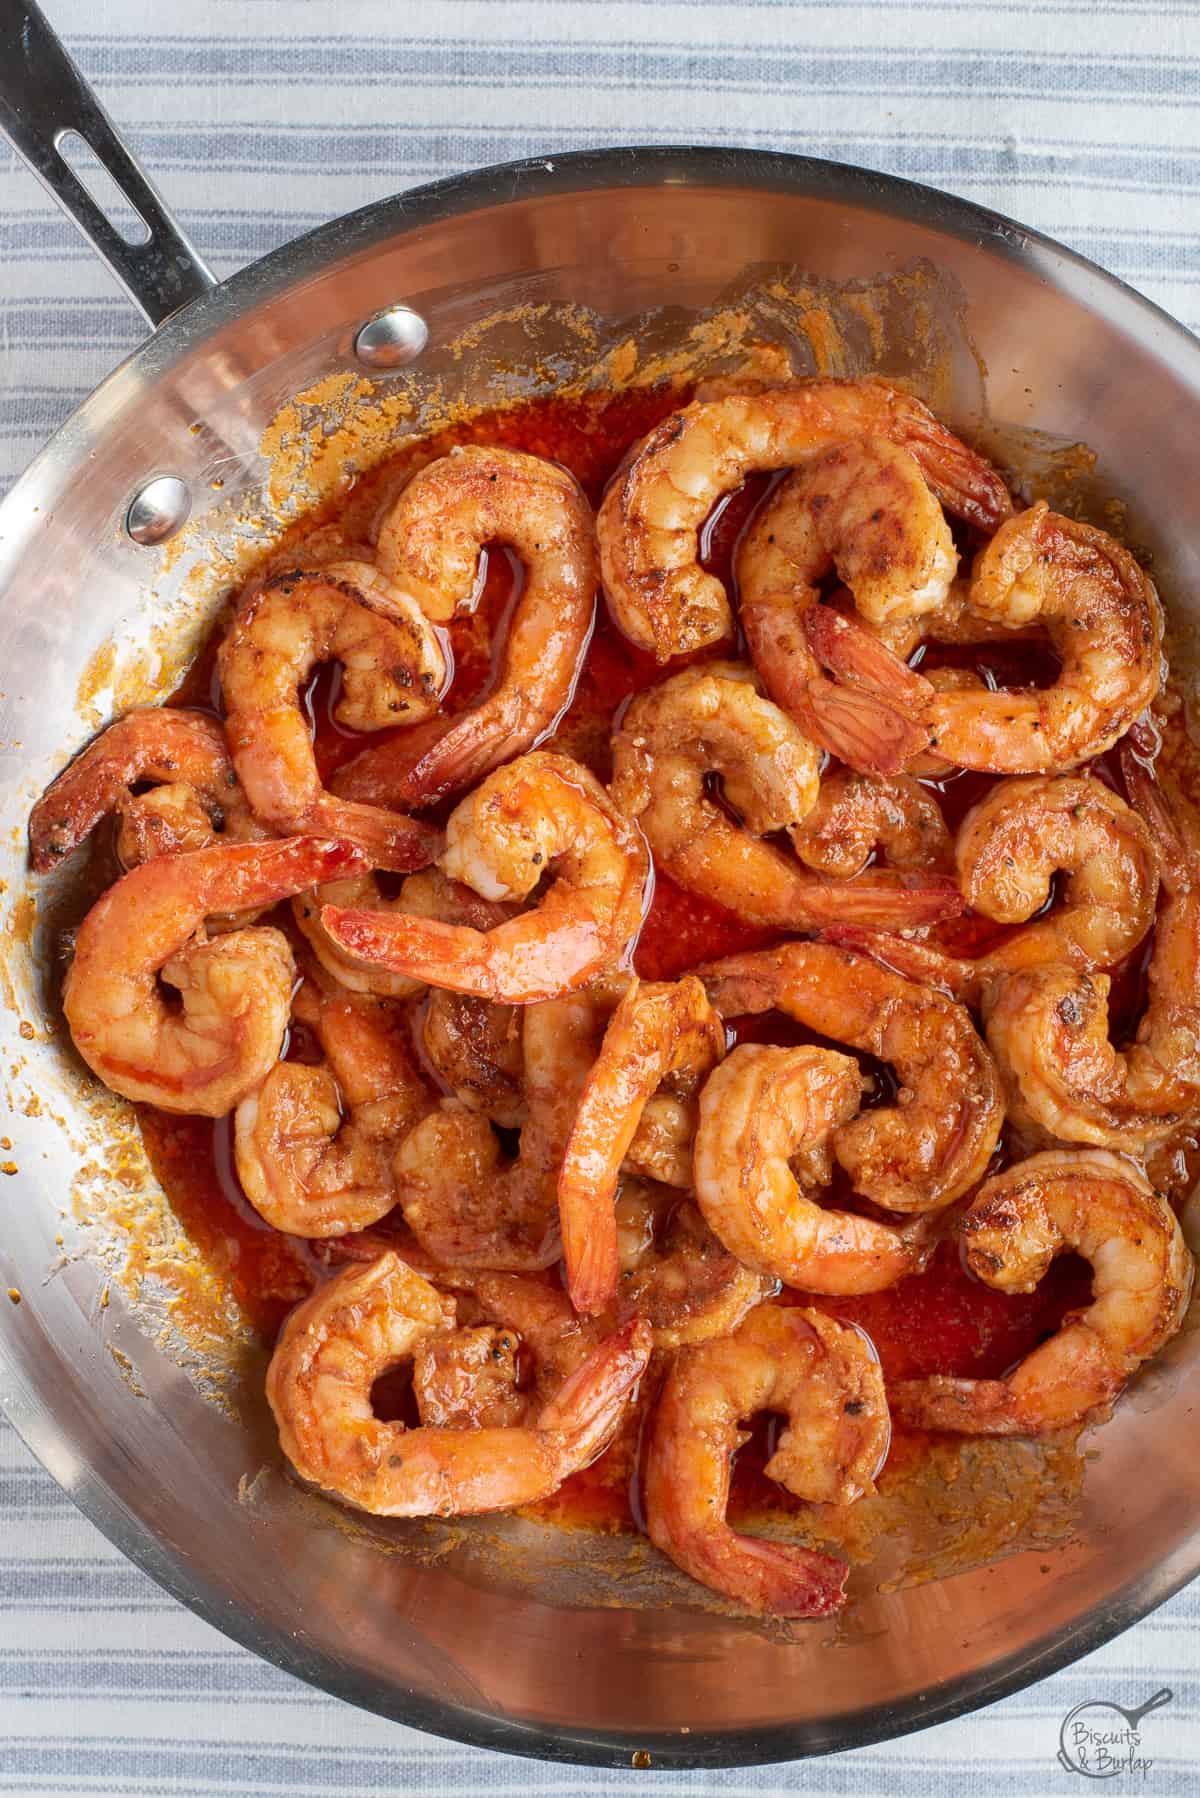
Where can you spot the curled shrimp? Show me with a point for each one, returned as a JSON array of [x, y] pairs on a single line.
[[393, 673], [429, 546], [675, 1273], [542, 815], [857, 814], [1102, 1208], [935, 1142], [426, 894], [866, 509], [314, 1146], [650, 517], [218, 1041], [1078, 586], [369, 1319], [761, 1111], [468, 1204], [825, 1378], [198, 801], [1048, 1026], [1024, 832], [662, 1031], [713, 720]]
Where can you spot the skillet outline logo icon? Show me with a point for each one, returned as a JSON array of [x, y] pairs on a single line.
[[1099, 1739]]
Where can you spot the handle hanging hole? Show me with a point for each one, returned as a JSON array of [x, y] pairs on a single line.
[[109, 196]]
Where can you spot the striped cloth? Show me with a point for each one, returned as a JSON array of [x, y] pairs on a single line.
[[1081, 117]]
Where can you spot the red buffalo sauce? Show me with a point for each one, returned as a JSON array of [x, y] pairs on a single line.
[[939, 1321]]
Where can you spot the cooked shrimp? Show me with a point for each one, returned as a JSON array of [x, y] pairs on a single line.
[[366, 1320], [474, 1048], [217, 1042], [543, 814], [1102, 1208], [426, 894], [659, 498], [481, 1374], [935, 1142], [429, 546], [1104, 620], [662, 1143], [857, 814], [468, 1379], [393, 673], [184, 753], [1023, 833], [314, 1145], [758, 1112], [662, 1031], [468, 1204], [713, 720], [675, 1273], [1048, 1026], [865, 508], [825, 1377]]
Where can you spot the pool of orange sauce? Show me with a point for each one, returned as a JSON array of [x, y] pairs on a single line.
[[939, 1321]]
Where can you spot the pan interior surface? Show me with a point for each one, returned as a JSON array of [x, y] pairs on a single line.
[[517, 1638]]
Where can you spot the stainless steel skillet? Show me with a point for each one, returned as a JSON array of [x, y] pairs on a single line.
[[521, 1648]]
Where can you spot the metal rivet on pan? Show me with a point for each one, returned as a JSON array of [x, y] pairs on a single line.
[[158, 510], [391, 338]]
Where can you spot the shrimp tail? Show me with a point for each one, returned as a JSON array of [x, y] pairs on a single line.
[[589, 1237], [849, 650], [462, 755], [898, 901], [775, 1578], [383, 774], [257, 874], [587, 1407], [967, 485], [914, 961], [391, 840], [1147, 799], [446, 954]]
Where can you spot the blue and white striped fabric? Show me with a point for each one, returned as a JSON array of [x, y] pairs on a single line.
[[263, 117]]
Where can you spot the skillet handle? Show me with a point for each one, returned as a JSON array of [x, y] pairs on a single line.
[[43, 97]]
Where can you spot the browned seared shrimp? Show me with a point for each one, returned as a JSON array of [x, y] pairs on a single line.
[[857, 814], [367, 1320], [1024, 832], [542, 815], [825, 1378], [1048, 1026], [197, 802], [429, 546], [474, 1048], [866, 509], [1104, 620], [314, 1145], [935, 1142], [393, 672], [1101, 1207], [466, 1202], [218, 1040], [663, 1031], [761, 1111], [675, 1273], [650, 518], [714, 720]]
